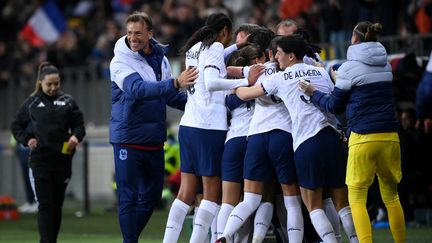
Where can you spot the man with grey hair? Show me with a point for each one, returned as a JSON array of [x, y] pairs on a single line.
[[286, 27]]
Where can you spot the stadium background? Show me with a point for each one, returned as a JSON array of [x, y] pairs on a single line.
[[84, 49]]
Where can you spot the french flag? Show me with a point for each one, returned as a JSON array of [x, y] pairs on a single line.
[[45, 26]]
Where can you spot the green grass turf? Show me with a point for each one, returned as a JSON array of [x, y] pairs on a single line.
[[98, 227], [102, 226]]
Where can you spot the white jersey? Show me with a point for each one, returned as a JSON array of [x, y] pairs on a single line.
[[205, 107], [270, 111], [307, 119], [240, 119], [312, 61], [332, 118]]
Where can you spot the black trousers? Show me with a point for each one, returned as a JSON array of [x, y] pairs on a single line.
[[50, 186]]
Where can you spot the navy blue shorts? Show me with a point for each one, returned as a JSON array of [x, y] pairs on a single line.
[[201, 151], [232, 159], [269, 153], [320, 161]]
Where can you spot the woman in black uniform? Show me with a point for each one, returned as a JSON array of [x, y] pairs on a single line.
[[51, 125]]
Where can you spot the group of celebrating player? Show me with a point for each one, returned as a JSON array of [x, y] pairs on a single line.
[[275, 149], [272, 133]]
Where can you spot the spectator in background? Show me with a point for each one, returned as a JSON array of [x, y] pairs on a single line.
[[424, 125], [170, 33], [406, 77], [179, 22], [5, 65], [386, 12], [241, 9], [424, 100], [57, 128], [91, 19], [69, 50], [102, 52], [410, 161], [141, 88], [332, 14], [290, 9], [423, 16], [268, 8]]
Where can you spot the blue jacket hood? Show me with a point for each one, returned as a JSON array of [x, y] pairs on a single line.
[[370, 53], [364, 90]]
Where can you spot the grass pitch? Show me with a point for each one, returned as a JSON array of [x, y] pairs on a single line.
[[101, 226]]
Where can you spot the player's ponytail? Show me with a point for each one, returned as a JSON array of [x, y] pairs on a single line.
[[44, 69], [208, 34], [247, 55], [367, 31], [311, 48], [204, 34]]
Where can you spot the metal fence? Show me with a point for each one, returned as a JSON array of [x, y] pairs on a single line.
[[91, 92]]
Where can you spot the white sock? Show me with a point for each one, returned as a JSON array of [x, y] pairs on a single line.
[[282, 216], [203, 219], [322, 226], [262, 221], [295, 224], [241, 212], [207, 239], [243, 234], [333, 217], [213, 226], [222, 218], [175, 221], [195, 213], [348, 225]]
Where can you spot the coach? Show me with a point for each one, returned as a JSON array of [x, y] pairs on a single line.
[[141, 88]]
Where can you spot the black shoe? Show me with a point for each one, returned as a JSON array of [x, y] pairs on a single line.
[[221, 240]]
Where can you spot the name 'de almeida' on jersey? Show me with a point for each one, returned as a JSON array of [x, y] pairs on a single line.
[[302, 73]]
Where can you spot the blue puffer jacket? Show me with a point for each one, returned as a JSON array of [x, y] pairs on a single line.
[[424, 93], [364, 88], [139, 100]]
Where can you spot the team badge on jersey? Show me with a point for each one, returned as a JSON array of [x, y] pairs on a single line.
[[123, 154]]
